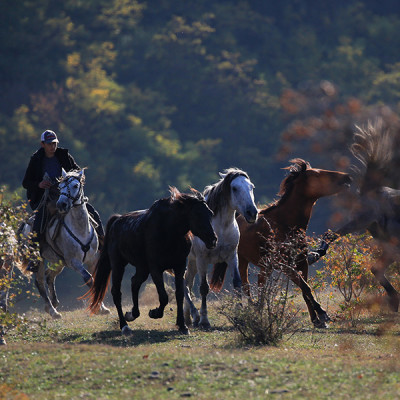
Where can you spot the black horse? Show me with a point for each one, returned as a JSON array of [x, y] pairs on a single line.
[[153, 240]]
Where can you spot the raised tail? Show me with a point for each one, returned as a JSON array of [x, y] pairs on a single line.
[[102, 273], [218, 276]]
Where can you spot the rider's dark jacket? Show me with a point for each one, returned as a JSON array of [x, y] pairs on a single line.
[[34, 173]]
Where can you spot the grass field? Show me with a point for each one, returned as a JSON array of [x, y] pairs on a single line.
[[85, 357]]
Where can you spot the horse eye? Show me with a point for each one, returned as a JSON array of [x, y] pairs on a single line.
[[234, 189]]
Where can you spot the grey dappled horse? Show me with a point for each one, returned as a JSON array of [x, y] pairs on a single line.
[[232, 194], [71, 240]]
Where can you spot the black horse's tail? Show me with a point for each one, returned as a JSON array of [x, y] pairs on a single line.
[[102, 273], [218, 276]]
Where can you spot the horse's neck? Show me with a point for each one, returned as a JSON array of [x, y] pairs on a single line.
[[295, 212], [224, 218], [78, 219]]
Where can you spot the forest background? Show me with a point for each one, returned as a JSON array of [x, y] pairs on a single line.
[[148, 94]]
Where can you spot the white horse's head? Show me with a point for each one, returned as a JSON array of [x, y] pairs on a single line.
[[71, 190], [242, 196]]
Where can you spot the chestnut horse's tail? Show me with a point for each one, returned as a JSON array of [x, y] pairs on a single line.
[[102, 273], [218, 276]]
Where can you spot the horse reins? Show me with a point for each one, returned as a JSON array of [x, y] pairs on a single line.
[[84, 247]]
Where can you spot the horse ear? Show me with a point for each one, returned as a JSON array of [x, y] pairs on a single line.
[[64, 173], [197, 194], [81, 173], [174, 193], [222, 175]]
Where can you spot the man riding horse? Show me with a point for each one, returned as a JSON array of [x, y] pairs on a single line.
[[44, 169]]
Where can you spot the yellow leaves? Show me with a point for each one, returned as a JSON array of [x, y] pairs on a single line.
[[134, 120], [23, 126], [169, 147], [73, 61], [146, 169], [96, 91]]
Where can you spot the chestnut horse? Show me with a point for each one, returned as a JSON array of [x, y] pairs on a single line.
[[286, 221]]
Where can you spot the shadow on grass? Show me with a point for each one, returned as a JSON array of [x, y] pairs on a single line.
[[139, 336]]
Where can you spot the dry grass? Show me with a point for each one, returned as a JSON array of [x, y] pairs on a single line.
[[83, 356]]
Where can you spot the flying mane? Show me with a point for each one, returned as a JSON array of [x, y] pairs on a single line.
[[373, 148], [295, 170]]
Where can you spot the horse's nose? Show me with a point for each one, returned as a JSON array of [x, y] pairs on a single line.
[[251, 214], [61, 205]]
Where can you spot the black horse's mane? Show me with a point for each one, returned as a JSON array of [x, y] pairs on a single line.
[[298, 167], [218, 193]]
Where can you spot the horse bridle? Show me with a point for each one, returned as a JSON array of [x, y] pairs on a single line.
[[84, 247], [68, 194]]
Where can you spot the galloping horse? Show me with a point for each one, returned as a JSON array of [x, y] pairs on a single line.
[[286, 220], [377, 208], [70, 240], [233, 193], [153, 240]]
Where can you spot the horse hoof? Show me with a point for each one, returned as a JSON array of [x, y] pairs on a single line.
[[2, 341], [104, 311], [155, 314], [131, 316], [184, 330], [320, 325], [196, 321], [126, 331], [56, 315], [324, 317], [205, 325]]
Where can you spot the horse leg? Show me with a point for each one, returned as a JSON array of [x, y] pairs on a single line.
[[136, 282], [237, 281], [41, 286], [51, 275], [190, 310], [244, 276], [318, 315], [204, 289], [179, 295], [117, 275], [158, 280], [394, 298], [88, 279]]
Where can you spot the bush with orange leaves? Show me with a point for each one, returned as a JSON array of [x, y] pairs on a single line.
[[347, 271]]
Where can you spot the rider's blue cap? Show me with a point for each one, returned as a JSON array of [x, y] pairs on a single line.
[[49, 137]]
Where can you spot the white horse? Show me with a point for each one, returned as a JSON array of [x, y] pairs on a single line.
[[71, 240], [233, 193]]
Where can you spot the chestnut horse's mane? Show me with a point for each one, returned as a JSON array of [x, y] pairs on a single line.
[[295, 170]]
